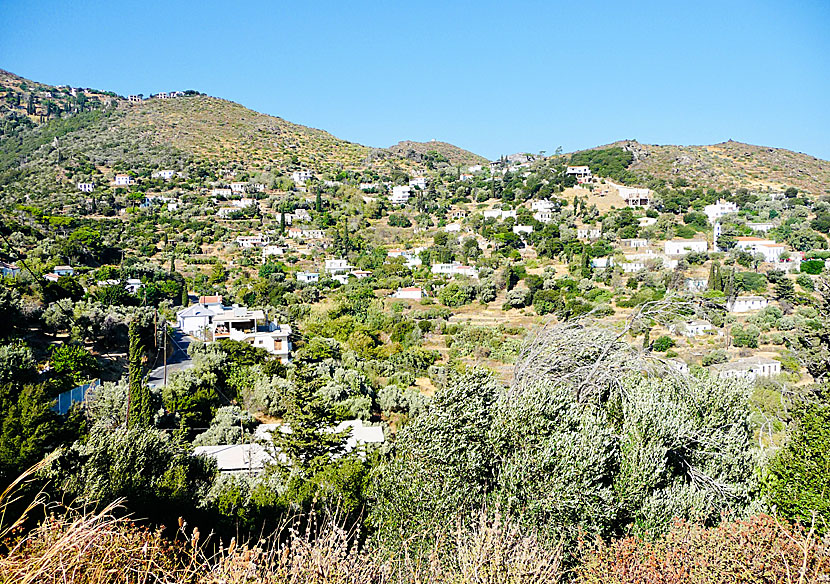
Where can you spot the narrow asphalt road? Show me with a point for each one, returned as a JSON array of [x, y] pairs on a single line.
[[179, 360]]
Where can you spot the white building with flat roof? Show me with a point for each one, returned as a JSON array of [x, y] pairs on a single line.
[[750, 368], [720, 209], [249, 241], [635, 243], [771, 250], [675, 247], [410, 293], [301, 176], [337, 266], [308, 277], [582, 173], [400, 194], [746, 303]]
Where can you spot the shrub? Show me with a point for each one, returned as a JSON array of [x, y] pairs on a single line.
[[798, 478], [813, 267], [663, 343], [759, 549], [715, 357]]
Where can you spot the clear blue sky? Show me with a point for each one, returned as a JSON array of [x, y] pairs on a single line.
[[493, 77]]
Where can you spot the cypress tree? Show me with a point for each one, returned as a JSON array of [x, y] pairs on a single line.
[[318, 205], [139, 410], [282, 221]]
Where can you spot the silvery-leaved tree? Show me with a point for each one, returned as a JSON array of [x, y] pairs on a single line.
[[591, 435]]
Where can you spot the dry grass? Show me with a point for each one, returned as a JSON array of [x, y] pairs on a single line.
[[104, 547]]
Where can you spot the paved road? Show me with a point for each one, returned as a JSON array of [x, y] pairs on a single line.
[[179, 360]]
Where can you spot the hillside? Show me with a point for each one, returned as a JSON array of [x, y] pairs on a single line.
[[219, 130], [418, 150], [47, 125], [40, 102], [729, 165]]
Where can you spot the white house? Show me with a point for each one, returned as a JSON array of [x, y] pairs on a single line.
[[685, 246], [695, 328], [196, 320], [301, 215], [696, 284], [542, 205], [313, 233], [419, 181], [86, 187], [519, 229], [295, 233], [275, 339], [602, 263], [452, 228], [585, 232], [308, 277], [249, 241], [465, 177], [633, 264], [337, 266], [301, 176], [358, 435], [272, 250], [209, 320], [410, 293], [400, 194], [360, 274], [647, 221], [244, 203], [543, 216], [499, 214], [761, 226], [221, 192], [454, 269], [747, 303], [133, 285], [717, 210], [634, 243], [239, 187], [635, 197], [123, 180], [163, 174], [8, 269], [237, 458], [134, 99], [748, 368], [771, 250], [582, 173]]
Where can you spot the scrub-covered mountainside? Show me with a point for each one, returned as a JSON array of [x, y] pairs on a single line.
[[727, 165], [426, 151]]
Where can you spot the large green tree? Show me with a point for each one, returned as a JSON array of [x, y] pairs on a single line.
[[139, 401], [798, 478]]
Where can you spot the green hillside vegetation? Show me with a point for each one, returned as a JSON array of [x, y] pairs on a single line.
[[427, 151], [728, 165], [558, 399]]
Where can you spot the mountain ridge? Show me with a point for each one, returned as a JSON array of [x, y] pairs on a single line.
[[229, 133]]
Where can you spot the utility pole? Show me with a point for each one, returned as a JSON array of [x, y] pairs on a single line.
[[165, 354]]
